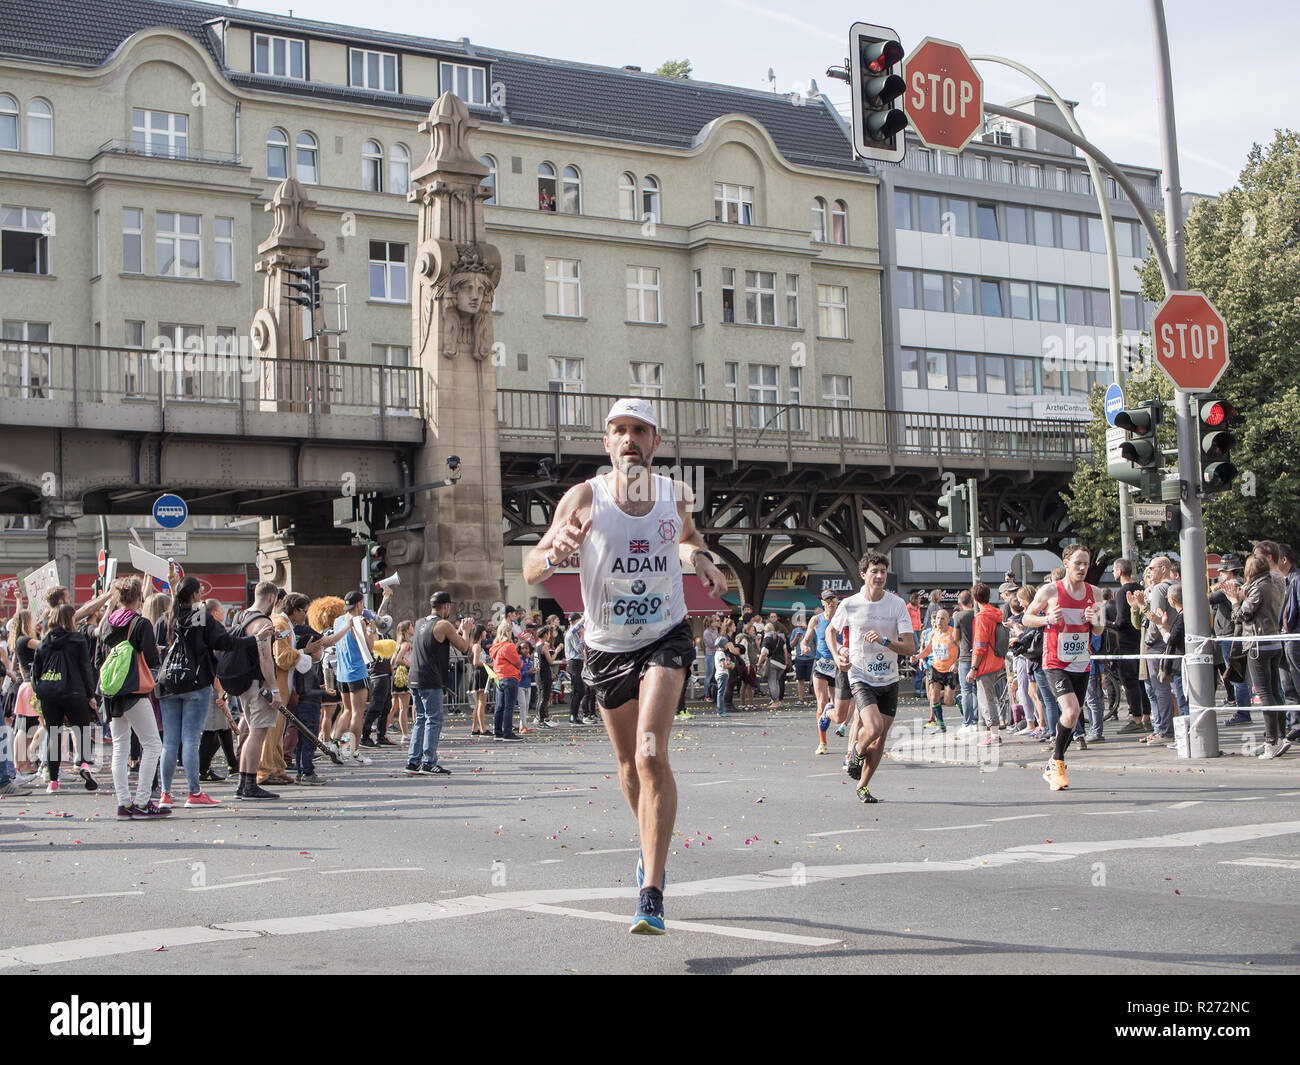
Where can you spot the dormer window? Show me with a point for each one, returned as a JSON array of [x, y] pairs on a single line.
[[372, 70], [281, 56], [466, 81]]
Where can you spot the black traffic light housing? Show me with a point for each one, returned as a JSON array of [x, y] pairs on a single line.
[[1214, 418], [376, 561], [875, 77], [955, 518], [1138, 460]]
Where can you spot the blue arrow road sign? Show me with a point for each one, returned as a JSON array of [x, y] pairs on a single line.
[[1114, 403], [170, 511]]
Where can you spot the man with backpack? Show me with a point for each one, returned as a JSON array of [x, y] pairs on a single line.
[[251, 677]]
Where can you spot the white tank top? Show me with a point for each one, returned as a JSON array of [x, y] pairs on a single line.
[[631, 573]]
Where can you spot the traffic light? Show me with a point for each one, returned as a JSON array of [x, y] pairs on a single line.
[[1213, 421], [1137, 460], [875, 64], [304, 287], [955, 518], [376, 561]]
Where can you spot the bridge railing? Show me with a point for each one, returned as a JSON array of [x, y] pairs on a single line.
[[799, 431], [219, 388]]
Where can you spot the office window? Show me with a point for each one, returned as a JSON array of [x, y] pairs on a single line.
[[177, 243], [1052, 379], [987, 218], [94, 244], [282, 57], [1017, 225], [1020, 305], [1096, 235], [373, 70], [907, 289], [728, 294], [565, 376], [936, 371], [1004, 170], [795, 388], [995, 375], [833, 311], [1048, 303], [839, 222], [957, 220], [372, 166], [8, 123], [764, 395], [819, 220], [1075, 302], [910, 374], [792, 300], [465, 80], [932, 291], [951, 163], [571, 191], [277, 154], [1022, 376], [399, 169], [489, 183], [132, 240], [903, 209], [1060, 179], [991, 299], [40, 127], [928, 212], [968, 374], [837, 393], [1100, 299], [1125, 242], [760, 297], [647, 379], [1071, 232], [1043, 233], [978, 167], [650, 204], [1031, 174], [223, 230], [547, 189], [627, 197], [564, 288], [697, 303], [1077, 379], [1128, 307], [642, 294], [963, 295], [733, 203], [306, 158], [160, 133], [388, 278], [24, 240]]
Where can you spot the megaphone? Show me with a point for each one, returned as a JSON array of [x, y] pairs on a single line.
[[390, 582]]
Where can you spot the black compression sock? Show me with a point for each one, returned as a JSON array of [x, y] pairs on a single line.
[[1063, 737]]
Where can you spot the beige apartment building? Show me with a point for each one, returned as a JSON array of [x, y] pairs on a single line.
[[659, 237]]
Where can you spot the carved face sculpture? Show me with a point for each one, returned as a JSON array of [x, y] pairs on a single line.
[[471, 291]]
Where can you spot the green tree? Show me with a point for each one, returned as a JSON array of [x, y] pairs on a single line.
[[675, 68]]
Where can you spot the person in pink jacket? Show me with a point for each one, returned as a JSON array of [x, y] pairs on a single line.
[[985, 664]]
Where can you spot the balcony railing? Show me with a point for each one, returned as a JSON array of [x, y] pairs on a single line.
[[802, 433], [184, 153], [217, 390]]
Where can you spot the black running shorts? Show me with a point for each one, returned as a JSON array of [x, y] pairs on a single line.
[[843, 690], [616, 675], [944, 680], [1064, 682], [883, 699]]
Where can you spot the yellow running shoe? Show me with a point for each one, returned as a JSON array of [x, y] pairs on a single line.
[[821, 747], [1055, 776]]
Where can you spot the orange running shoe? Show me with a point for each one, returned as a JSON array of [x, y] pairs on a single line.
[[1055, 776]]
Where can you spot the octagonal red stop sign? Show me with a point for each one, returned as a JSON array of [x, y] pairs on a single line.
[[1191, 341], [945, 96]]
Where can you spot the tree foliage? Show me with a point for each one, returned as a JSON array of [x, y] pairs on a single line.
[[675, 68]]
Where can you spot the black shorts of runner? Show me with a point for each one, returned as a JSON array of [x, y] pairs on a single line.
[[1068, 683], [883, 699], [615, 676], [943, 680], [843, 690], [353, 685], [803, 668]]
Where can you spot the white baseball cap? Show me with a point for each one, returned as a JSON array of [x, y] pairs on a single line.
[[640, 409]]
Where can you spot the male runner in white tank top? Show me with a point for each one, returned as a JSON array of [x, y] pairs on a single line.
[[636, 532]]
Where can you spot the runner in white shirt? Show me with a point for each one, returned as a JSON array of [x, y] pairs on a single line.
[[638, 532], [880, 630]]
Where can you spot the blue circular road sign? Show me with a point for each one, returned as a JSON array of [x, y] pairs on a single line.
[[170, 511], [1114, 403]]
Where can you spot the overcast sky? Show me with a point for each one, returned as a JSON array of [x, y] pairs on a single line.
[[1099, 54]]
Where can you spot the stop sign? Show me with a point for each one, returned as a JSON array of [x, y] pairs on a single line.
[[1212, 566], [103, 561], [1191, 341], [945, 95]]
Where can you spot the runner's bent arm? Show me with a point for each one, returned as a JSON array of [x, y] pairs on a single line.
[[1035, 615], [568, 529]]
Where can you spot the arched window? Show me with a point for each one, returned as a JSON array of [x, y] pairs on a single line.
[[40, 127], [306, 158], [277, 155], [8, 124], [650, 199], [840, 223], [399, 169], [627, 197], [546, 189], [571, 200], [819, 220], [490, 182], [372, 166]]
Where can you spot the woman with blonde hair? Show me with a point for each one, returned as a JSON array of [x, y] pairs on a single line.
[[401, 679], [506, 662], [322, 613]]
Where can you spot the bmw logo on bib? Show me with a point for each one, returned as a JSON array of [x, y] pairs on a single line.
[[638, 587]]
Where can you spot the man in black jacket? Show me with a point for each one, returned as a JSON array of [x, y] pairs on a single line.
[[1119, 617]]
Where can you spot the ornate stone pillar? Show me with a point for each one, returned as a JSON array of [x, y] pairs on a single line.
[[456, 274]]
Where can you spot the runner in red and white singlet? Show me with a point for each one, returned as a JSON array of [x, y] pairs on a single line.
[[1068, 610]]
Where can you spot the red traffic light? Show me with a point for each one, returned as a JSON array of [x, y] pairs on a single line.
[[1216, 412], [890, 53]]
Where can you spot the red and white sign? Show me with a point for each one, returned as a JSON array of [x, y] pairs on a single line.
[[229, 588], [1212, 566], [102, 561], [945, 94], [1191, 341]]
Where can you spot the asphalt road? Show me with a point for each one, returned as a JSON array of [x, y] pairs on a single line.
[[522, 861]]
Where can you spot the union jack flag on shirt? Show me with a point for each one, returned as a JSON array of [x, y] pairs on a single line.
[[638, 547]]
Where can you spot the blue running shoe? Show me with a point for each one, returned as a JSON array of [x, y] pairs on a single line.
[[649, 919], [839, 730], [640, 874]]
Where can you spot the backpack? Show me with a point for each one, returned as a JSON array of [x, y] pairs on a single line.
[[116, 666], [55, 677], [1001, 640], [238, 669], [180, 672], [1030, 645]]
